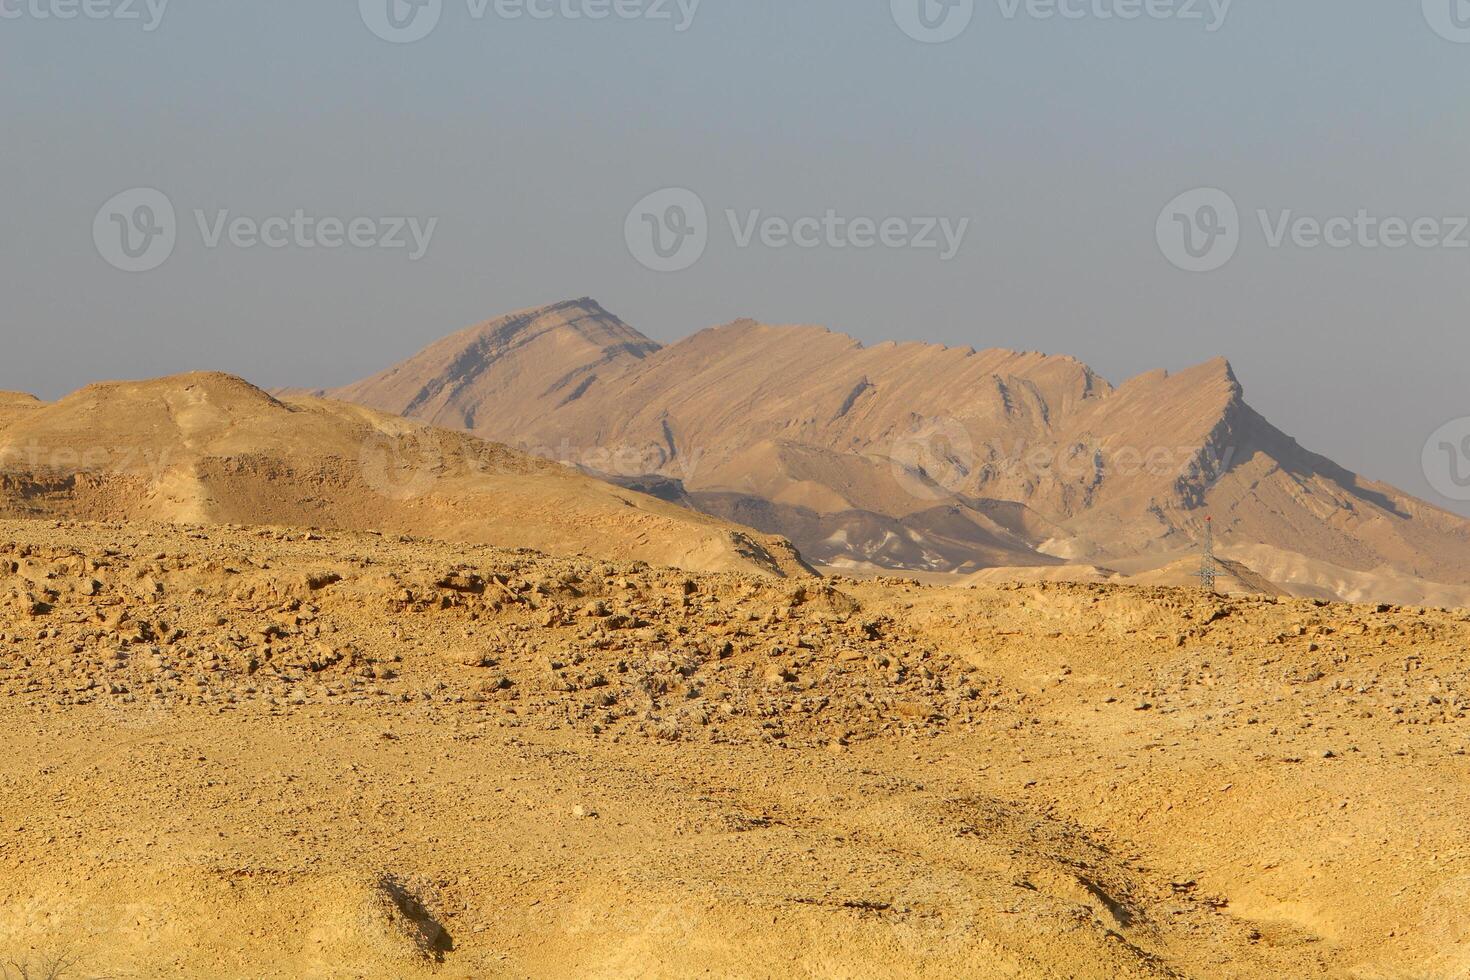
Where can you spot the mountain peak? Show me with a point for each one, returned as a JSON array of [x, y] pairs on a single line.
[[584, 318], [509, 364], [1215, 368]]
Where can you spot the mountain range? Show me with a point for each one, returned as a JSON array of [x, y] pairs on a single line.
[[920, 457]]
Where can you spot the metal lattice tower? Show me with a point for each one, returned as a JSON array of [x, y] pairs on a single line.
[[1208, 568]]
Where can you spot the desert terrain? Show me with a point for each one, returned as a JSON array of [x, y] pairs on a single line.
[[293, 687], [274, 752], [754, 490]]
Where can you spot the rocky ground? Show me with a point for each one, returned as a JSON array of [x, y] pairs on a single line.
[[269, 752]]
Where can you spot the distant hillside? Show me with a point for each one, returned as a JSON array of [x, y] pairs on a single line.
[[916, 456]]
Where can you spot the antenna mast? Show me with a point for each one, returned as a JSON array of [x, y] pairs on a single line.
[[1208, 569]]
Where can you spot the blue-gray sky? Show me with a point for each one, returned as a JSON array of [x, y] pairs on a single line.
[[1061, 139]]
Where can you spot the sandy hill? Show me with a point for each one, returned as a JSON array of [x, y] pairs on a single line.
[[917, 456], [210, 448]]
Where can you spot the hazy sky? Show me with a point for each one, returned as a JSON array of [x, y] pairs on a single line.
[[1060, 138]]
